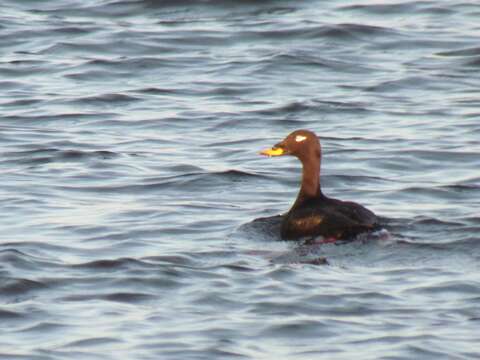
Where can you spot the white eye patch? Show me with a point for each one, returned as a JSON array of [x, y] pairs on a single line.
[[300, 138]]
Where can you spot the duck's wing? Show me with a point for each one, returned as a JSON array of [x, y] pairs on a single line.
[[357, 213], [323, 221]]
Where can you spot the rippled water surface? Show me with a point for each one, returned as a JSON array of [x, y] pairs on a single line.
[[130, 179]]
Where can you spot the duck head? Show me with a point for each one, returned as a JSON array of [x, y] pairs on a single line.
[[302, 144]]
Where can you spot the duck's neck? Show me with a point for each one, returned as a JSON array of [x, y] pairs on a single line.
[[310, 187]]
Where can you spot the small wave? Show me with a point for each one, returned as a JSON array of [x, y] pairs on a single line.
[[400, 84], [423, 220], [293, 107], [182, 260], [10, 315], [9, 85], [398, 8], [454, 287], [22, 102], [475, 62], [95, 75], [305, 329], [49, 155], [106, 99], [315, 106], [188, 181], [54, 117], [232, 143], [131, 63], [43, 327], [120, 46], [19, 259], [155, 91], [383, 9], [122, 297], [113, 265], [475, 51], [447, 192], [344, 32], [18, 286], [91, 342], [75, 30]]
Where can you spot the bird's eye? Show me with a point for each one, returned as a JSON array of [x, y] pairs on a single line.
[[300, 138]]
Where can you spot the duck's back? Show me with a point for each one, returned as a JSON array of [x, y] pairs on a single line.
[[330, 218]]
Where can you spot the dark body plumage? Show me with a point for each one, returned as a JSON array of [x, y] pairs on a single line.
[[330, 218], [313, 213]]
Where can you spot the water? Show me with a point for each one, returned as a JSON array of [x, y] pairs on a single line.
[[130, 179]]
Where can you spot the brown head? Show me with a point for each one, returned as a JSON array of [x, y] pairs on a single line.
[[303, 144]]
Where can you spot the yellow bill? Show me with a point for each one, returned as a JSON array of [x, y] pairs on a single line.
[[272, 152]]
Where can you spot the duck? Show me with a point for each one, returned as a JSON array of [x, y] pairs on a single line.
[[313, 214]]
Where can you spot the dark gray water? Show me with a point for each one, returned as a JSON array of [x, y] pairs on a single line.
[[130, 179]]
